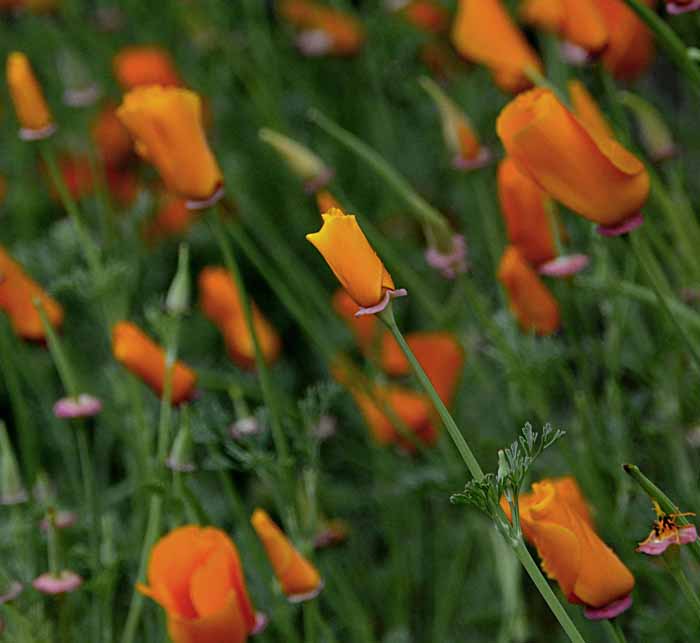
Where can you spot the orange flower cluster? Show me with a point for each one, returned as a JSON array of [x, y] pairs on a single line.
[[17, 294], [556, 520]]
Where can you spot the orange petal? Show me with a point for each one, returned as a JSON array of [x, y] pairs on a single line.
[[587, 110], [28, 99], [145, 65]]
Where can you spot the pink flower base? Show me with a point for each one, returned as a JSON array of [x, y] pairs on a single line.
[[388, 296], [482, 159], [77, 407], [314, 43], [261, 622], [306, 596], [66, 581], [83, 97], [27, 134], [203, 204], [623, 228], [11, 592], [244, 427], [686, 534], [574, 55], [675, 8], [608, 611], [449, 264], [62, 520], [180, 467], [564, 266]]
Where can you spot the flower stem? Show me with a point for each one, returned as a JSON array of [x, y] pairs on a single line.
[[685, 586], [269, 393], [387, 316], [614, 631], [666, 504]]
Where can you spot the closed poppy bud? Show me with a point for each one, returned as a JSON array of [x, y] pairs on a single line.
[[111, 138], [532, 304], [145, 65], [587, 570], [439, 353], [166, 123], [587, 111], [424, 14], [322, 30], [221, 303], [591, 174], [30, 105], [145, 359], [524, 207], [195, 575], [579, 22], [299, 579], [17, 294], [485, 33], [462, 141], [630, 45], [364, 328], [353, 261]]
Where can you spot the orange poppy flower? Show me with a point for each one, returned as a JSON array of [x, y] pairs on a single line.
[[146, 359], [353, 261], [524, 207], [323, 30], [363, 328], [220, 302], [484, 32], [195, 575], [554, 518], [30, 105], [425, 14], [587, 111], [17, 293], [299, 579], [145, 65], [166, 123], [579, 22], [630, 47], [171, 219], [111, 138], [532, 304], [439, 353], [591, 174]]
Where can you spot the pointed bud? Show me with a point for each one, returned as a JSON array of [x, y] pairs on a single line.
[[655, 135], [178, 299], [12, 490], [301, 160], [180, 458]]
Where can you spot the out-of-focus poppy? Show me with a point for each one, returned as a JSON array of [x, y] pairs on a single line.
[[484, 32], [28, 99], [364, 328], [138, 65], [532, 304], [111, 138], [423, 14], [146, 359], [172, 218]]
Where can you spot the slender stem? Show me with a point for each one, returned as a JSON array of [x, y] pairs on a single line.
[[52, 544], [669, 40], [269, 393], [685, 586], [614, 631], [425, 212], [311, 621], [387, 317], [666, 504], [543, 586]]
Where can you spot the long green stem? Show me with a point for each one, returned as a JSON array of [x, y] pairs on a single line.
[[685, 586], [614, 631], [269, 393]]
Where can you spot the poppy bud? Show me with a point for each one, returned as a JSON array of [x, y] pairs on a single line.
[[32, 111]]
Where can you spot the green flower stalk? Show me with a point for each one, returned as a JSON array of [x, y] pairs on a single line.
[[12, 491]]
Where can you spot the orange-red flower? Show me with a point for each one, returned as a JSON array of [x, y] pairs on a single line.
[[30, 105], [630, 47], [196, 576], [579, 22], [299, 579], [322, 30], [555, 518], [17, 293], [221, 303], [353, 261], [145, 65], [172, 218], [524, 206], [146, 359], [166, 123], [426, 15], [591, 174], [438, 352], [531, 302], [485, 33], [111, 138], [363, 328]]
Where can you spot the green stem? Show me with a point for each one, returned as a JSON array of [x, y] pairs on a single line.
[[685, 586], [311, 621], [669, 40], [666, 504], [53, 545], [543, 586], [387, 316], [646, 262], [425, 213], [269, 393], [614, 631]]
